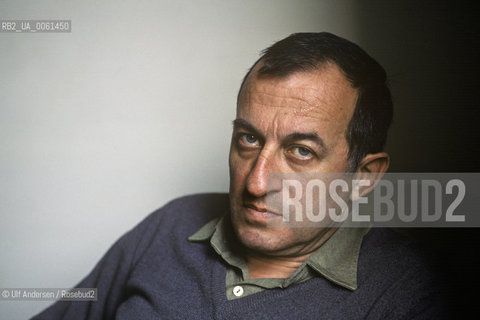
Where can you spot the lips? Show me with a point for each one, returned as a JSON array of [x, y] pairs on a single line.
[[258, 213], [255, 207]]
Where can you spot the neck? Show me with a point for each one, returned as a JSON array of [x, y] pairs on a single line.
[[265, 266], [273, 267]]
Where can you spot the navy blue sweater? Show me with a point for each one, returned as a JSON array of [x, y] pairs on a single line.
[[154, 272]]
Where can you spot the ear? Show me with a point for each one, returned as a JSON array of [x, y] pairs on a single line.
[[374, 163], [370, 170]]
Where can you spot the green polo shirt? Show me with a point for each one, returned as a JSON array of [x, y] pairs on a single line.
[[336, 260]]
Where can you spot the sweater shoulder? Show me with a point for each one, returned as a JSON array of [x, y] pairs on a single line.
[[391, 259], [195, 209], [385, 244], [176, 220], [399, 272], [184, 215], [392, 252]]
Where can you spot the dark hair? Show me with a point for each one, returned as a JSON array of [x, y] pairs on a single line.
[[367, 130]]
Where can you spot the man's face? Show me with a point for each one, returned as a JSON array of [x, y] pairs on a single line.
[[293, 124]]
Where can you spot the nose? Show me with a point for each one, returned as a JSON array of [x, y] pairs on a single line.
[[257, 179]]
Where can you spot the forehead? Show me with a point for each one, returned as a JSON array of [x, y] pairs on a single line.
[[324, 94]]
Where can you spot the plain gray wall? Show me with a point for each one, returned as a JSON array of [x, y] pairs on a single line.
[[103, 125]]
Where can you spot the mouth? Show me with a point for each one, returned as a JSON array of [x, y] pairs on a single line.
[[257, 213]]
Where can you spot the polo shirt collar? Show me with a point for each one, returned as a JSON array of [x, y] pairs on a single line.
[[336, 259]]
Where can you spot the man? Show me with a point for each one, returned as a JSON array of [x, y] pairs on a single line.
[[313, 103]]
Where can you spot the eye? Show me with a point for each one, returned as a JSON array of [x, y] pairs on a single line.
[[249, 140], [302, 153]]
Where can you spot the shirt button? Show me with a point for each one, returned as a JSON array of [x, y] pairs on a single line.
[[238, 291]]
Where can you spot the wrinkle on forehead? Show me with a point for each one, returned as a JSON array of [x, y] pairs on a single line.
[[323, 94], [310, 107]]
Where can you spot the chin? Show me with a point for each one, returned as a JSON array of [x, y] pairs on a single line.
[[254, 233], [259, 240]]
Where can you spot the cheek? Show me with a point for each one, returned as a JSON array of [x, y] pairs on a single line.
[[238, 171]]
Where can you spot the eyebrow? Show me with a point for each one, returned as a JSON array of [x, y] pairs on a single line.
[[244, 124], [311, 136], [294, 136]]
